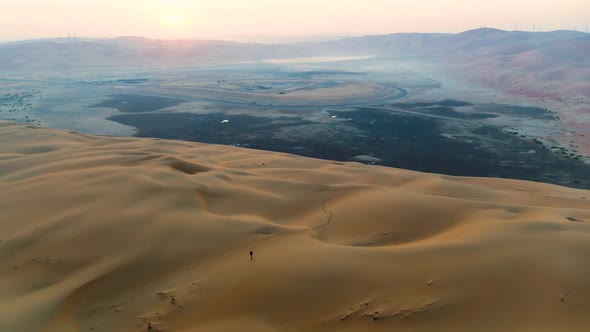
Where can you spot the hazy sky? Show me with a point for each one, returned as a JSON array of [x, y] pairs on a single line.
[[20, 19]]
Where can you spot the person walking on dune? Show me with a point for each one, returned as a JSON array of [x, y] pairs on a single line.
[[251, 255]]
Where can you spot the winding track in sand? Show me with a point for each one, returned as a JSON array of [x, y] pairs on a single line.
[[99, 233]]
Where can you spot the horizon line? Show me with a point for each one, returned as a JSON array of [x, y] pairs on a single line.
[[337, 36]]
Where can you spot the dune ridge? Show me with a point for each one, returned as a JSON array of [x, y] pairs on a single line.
[[111, 233]]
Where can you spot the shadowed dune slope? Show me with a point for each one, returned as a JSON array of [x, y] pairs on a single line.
[[110, 234]]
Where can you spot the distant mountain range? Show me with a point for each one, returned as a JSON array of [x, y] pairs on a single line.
[[494, 57], [60, 53]]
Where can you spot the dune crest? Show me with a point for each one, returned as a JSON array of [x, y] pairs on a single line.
[[110, 234]]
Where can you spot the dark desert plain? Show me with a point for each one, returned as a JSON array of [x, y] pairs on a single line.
[[484, 102], [402, 182]]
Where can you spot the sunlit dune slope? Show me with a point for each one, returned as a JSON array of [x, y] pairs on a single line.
[[110, 234]]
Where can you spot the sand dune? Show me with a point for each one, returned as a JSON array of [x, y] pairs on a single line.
[[100, 233]]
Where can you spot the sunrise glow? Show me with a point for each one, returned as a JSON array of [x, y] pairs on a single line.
[[174, 20], [230, 19]]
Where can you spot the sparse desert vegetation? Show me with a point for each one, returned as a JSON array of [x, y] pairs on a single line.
[[294, 166]]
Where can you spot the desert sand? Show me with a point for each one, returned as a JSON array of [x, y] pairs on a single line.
[[110, 234]]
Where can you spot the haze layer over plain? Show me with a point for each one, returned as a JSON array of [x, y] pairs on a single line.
[[100, 233], [275, 102]]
